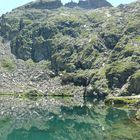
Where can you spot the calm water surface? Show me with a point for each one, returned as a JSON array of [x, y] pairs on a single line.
[[65, 119]]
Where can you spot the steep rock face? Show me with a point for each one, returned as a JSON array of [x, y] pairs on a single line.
[[54, 4], [93, 4], [100, 49]]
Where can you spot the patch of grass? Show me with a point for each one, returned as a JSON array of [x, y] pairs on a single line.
[[8, 64], [30, 63]]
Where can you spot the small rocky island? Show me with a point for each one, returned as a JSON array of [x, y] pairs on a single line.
[[84, 49]]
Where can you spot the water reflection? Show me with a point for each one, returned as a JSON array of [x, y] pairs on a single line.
[[65, 119]]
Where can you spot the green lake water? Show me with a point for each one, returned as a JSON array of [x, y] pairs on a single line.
[[65, 119]]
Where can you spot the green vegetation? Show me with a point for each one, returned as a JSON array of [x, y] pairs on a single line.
[[134, 83], [98, 50], [32, 94], [8, 64], [118, 73], [81, 77], [5, 121]]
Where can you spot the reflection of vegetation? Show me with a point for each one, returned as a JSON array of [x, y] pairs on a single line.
[[6, 94], [4, 122], [32, 95], [44, 118]]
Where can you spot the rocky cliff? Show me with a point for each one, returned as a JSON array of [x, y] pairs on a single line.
[[93, 50], [93, 4], [54, 4], [89, 4]]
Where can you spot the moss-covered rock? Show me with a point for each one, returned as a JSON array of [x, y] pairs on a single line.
[[128, 46], [118, 73], [134, 83], [80, 78]]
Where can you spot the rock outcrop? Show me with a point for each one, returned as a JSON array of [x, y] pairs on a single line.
[[45, 4], [134, 84], [93, 4], [54, 4]]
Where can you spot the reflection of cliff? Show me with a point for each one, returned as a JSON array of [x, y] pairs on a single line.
[[71, 4], [56, 120]]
